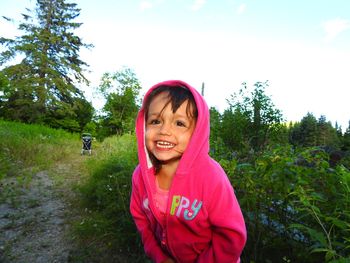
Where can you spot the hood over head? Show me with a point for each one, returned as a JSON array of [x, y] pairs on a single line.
[[199, 143]]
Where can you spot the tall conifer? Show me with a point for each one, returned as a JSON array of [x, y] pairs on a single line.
[[43, 83]]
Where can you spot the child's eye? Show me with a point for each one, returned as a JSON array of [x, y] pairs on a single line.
[[154, 122], [180, 123]]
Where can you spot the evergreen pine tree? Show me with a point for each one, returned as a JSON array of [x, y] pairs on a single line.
[[308, 130], [43, 84], [326, 134], [256, 108], [346, 139]]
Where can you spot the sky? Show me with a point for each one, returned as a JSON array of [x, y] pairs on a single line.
[[301, 47]]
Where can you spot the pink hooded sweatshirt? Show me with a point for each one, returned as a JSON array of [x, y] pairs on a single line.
[[203, 222]]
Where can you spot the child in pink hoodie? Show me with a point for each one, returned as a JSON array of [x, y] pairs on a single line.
[[182, 201]]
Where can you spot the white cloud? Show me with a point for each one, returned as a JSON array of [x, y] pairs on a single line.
[[241, 8], [198, 4], [334, 27], [145, 5]]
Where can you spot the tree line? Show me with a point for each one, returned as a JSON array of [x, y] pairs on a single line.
[[252, 123]]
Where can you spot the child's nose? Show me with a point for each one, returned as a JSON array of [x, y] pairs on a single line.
[[165, 129]]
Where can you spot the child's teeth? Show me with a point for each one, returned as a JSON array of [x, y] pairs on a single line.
[[165, 144]]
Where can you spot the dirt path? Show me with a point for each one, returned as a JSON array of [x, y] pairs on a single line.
[[35, 216]]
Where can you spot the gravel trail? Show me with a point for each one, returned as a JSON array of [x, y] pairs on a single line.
[[33, 221]]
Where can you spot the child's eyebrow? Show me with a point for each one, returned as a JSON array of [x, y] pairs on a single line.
[[181, 115], [153, 114]]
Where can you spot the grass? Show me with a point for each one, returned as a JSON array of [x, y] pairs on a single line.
[[107, 225], [32, 147], [26, 149]]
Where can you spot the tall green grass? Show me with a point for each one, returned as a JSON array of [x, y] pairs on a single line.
[[29, 146], [107, 225]]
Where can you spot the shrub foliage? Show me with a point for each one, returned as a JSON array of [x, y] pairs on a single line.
[[295, 205]]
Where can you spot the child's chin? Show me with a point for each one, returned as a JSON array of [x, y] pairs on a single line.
[[169, 160]]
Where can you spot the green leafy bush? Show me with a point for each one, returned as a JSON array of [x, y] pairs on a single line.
[[296, 207]]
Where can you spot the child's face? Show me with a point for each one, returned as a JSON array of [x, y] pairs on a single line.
[[168, 133]]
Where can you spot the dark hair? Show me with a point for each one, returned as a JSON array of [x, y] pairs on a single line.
[[177, 96]]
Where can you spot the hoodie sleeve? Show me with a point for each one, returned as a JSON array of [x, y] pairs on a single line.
[[152, 249], [229, 231]]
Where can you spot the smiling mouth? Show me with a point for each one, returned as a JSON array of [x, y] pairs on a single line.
[[164, 145]]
